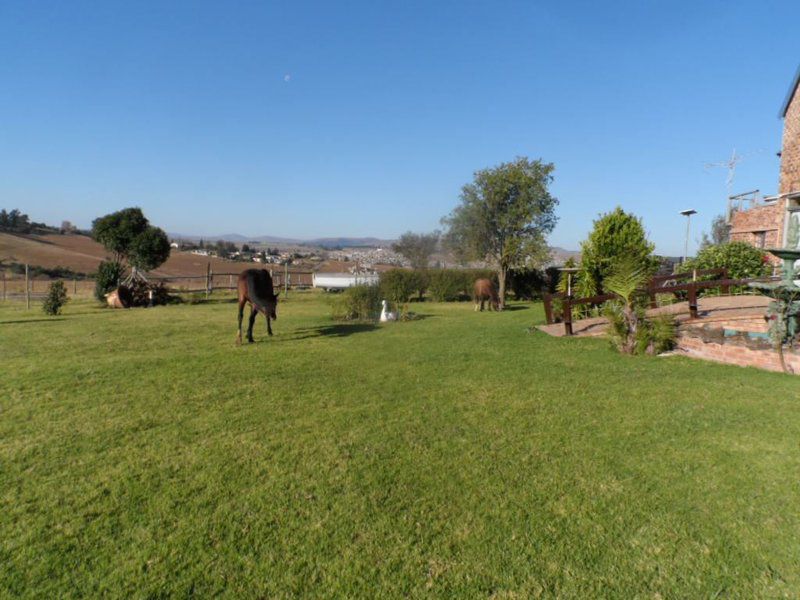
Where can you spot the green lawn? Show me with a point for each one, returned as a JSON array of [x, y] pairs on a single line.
[[143, 454]]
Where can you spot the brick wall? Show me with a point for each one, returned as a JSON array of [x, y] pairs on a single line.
[[712, 344], [767, 218], [790, 148]]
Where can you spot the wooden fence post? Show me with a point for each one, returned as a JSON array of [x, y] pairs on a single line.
[[286, 279], [548, 307], [567, 315], [692, 301], [74, 286], [726, 289], [208, 279], [4, 286], [27, 289]]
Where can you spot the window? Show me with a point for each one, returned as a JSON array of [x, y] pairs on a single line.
[[759, 239]]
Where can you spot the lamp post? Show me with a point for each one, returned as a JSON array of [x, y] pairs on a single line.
[[688, 214]]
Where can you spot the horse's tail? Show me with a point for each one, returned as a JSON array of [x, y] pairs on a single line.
[[253, 294]]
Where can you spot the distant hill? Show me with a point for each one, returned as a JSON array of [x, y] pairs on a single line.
[[237, 238], [82, 254], [561, 255]]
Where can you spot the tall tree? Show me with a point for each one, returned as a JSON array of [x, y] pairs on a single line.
[[417, 248], [128, 235], [504, 217], [720, 233]]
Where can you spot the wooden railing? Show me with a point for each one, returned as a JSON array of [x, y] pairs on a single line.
[[691, 288]]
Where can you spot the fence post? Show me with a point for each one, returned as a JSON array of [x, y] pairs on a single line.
[[286, 279], [548, 307], [4, 286], [74, 286], [650, 287], [208, 279], [692, 301], [567, 315], [27, 289]]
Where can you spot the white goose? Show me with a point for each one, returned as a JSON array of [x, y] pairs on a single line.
[[386, 315]]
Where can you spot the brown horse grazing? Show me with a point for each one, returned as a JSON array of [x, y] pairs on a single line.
[[484, 290], [255, 287]]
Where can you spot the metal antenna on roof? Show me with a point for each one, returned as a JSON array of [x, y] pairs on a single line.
[[729, 164]]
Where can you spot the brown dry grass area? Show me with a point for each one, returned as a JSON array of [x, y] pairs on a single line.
[[82, 254]]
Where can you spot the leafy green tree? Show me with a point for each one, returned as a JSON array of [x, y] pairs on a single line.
[[417, 248], [616, 236], [504, 217], [128, 235], [149, 250]]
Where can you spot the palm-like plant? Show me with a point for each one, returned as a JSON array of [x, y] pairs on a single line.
[[630, 330]]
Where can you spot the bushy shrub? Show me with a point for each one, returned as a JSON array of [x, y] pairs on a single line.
[[420, 279], [742, 260], [398, 285], [55, 299], [616, 236], [445, 285], [528, 284], [358, 303], [107, 278]]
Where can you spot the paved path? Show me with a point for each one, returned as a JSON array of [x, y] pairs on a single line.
[[710, 308]]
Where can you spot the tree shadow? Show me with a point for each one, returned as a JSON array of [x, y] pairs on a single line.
[[337, 330], [23, 321], [514, 307]]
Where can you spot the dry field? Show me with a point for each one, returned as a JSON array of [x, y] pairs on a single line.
[[82, 254]]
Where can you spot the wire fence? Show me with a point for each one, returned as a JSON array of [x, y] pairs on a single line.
[[24, 287]]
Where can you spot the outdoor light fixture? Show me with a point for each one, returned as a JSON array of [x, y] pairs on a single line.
[[688, 214]]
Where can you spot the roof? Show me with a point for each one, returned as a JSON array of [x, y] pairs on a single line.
[[790, 94]]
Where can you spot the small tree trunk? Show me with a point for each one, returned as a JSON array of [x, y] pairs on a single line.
[[501, 286], [782, 358]]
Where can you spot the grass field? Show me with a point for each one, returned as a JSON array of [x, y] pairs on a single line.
[[143, 454]]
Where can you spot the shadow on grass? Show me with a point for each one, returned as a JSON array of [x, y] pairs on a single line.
[[513, 307], [337, 330], [23, 321]]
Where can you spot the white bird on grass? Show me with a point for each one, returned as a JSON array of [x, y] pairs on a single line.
[[386, 315]]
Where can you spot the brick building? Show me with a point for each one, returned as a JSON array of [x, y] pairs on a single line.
[[774, 221]]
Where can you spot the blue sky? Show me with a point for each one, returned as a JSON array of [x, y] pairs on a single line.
[[365, 118]]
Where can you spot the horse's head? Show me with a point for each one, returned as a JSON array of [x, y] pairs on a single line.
[[271, 306]]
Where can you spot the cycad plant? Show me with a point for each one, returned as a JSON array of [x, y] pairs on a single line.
[[630, 330]]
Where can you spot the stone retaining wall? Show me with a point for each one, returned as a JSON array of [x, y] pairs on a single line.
[[711, 343]]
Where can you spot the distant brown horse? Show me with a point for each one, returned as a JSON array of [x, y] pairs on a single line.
[[484, 290], [255, 287]]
